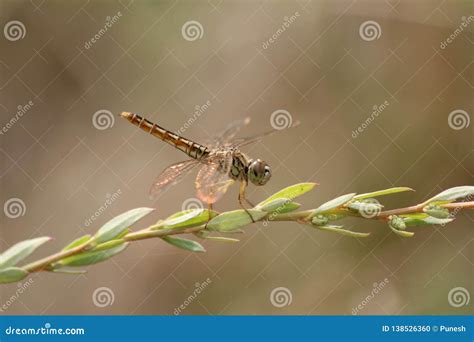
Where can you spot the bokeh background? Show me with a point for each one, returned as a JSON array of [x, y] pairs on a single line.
[[322, 69]]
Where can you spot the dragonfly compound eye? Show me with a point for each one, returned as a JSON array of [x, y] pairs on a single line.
[[259, 172]]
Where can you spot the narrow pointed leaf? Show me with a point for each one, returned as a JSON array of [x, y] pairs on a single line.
[[424, 220], [340, 230], [12, 275], [20, 251], [79, 241], [290, 192], [334, 203], [402, 233], [366, 207], [221, 239], [108, 245], [187, 218], [93, 257], [205, 234], [383, 192], [68, 271], [453, 194], [232, 220], [186, 244], [118, 224], [291, 206], [279, 206], [436, 211]]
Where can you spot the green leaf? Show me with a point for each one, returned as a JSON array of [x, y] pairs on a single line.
[[118, 224], [108, 245], [67, 271], [340, 230], [187, 218], [222, 239], [186, 244], [205, 234], [92, 257], [279, 206], [402, 233], [424, 220], [436, 211], [21, 250], [334, 203], [291, 206], [366, 207], [383, 192], [290, 192], [79, 241], [415, 215], [12, 275], [235, 219], [453, 194]]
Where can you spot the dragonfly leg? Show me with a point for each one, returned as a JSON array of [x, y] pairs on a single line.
[[242, 198]]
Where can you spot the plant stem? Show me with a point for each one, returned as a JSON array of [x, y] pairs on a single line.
[[42, 264], [301, 216]]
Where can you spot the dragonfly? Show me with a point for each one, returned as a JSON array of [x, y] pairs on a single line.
[[219, 164]]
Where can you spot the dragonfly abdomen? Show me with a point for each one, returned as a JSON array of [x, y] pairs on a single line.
[[192, 149]]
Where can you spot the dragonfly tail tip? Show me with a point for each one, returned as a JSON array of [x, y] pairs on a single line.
[[126, 115]]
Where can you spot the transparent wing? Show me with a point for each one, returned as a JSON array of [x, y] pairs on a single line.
[[213, 179], [172, 175], [253, 139], [230, 132]]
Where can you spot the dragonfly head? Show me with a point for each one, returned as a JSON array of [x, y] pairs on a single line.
[[259, 172]]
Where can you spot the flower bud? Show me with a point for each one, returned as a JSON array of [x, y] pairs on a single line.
[[396, 222], [320, 220]]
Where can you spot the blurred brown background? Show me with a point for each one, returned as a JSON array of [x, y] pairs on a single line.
[[322, 69]]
